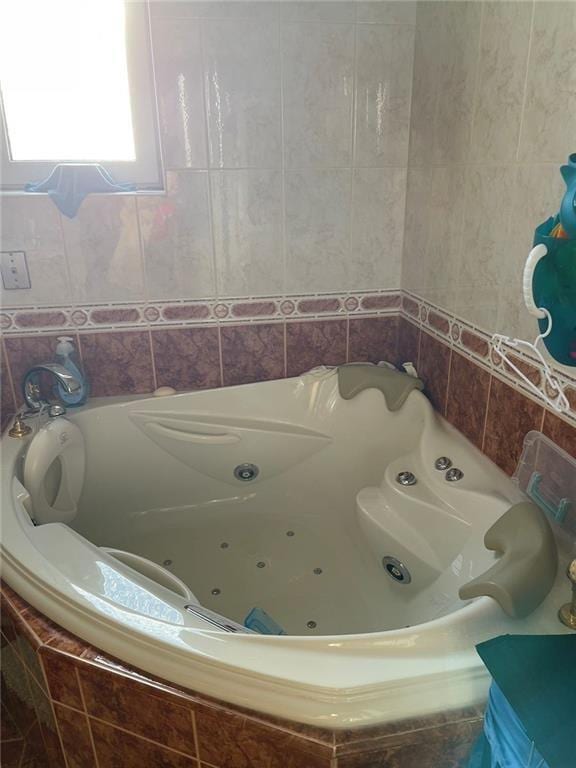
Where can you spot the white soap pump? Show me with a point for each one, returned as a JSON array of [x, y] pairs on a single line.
[[65, 353]]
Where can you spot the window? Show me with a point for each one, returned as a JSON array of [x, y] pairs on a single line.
[[76, 86]]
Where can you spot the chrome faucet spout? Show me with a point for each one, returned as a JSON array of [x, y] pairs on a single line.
[[31, 384]]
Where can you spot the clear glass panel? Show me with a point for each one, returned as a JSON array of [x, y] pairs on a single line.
[[64, 80]]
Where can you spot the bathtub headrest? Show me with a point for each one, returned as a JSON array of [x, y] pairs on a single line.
[[525, 573], [394, 385]]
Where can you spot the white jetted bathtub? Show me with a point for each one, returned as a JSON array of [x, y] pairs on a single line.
[[152, 527]]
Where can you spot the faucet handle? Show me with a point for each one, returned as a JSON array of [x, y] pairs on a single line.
[[567, 614]]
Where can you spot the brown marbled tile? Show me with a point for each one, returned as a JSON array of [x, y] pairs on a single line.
[[380, 302], [60, 673], [135, 707], [25, 351], [113, 316], [75, 735], [312, 306], [187, 358], [438, 322], [468, 398], [253, 308], [9, 731], [66, 643], [408, 342], [474, 343], [186, 312], [15, 691], [560, 432], [313, 343], [372, 339], [47, 722], [444, 747], [118, 749], [39, 625], [117, 362], [40, 319], [233, 741], [510, 416], [252, 352], [433, 367], [7, 403], [11, 753], [16, 603], [24, 643], [348, 740], [35, 755]]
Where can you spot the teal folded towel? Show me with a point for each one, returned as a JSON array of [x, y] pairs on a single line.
[[259, 621], [69, 183], [530, 715]]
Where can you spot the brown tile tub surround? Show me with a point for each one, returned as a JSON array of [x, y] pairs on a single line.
[[100, 713], [137, 361], [490, 413]]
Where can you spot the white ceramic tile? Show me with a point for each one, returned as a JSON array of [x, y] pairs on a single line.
[[215, 9], [426, 82], [325, 10], [458, 71], [103, 250], [486, 226], [247, 214], [548, 131], [386, 11], [178, 68], [176, 238], [31, 224], [384, 85], [501, 78], [379, 197], [318, 231], [433, 232], [318, 63], [242, 82]]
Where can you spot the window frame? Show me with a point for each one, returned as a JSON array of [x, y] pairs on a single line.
[[146, 171]]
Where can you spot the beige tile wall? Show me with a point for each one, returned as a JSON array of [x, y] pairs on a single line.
[[284, 129], [493, 116]]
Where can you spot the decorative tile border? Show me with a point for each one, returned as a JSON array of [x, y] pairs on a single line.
[[474, 342], [124, 316]]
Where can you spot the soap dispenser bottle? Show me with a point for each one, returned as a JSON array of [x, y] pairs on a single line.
[[65, 355]]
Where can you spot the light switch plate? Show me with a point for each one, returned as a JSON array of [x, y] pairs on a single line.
[[14, 269]]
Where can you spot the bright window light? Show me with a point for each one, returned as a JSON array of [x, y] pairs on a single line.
[[64, 80]]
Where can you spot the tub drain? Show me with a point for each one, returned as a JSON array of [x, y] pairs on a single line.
[[246, 472], [311, 624], [396, 570]]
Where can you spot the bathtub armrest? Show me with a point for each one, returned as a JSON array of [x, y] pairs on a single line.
[[394, 385], [525, 573]]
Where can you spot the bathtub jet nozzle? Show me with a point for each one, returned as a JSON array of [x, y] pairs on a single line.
[[406, 478]]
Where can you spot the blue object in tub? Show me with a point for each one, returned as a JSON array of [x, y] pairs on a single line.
[[259, 621]]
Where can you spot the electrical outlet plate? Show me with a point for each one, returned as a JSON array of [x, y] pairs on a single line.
[[14, 269]]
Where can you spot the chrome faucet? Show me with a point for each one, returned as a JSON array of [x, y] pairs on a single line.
[[31, 383]]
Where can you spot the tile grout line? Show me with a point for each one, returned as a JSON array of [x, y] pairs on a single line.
[[153, 359], [9, 373], [485, 425], [526, 79], [90, 734], [139, 736], [195, 735]]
